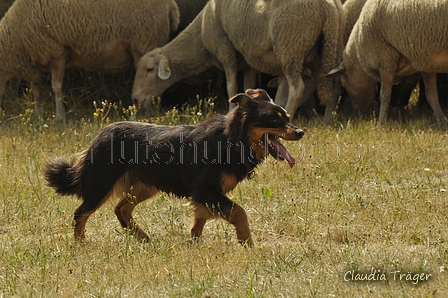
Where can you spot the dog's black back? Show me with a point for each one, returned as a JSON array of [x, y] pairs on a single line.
[[202, 162]]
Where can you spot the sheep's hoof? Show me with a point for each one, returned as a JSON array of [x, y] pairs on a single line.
[[442, 122]]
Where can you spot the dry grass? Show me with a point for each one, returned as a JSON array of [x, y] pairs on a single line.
[[360, 198]]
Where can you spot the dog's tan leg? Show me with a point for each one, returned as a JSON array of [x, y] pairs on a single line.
[[220, 206], [133, 196], [82, 214], [237, 217], [80, 223], [200, 216]]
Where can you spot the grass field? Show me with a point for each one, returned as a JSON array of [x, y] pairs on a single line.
[[362, 202]]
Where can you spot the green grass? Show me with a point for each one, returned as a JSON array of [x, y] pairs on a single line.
[[360, 198]]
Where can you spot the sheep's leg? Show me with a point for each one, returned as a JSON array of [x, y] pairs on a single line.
[[330, 107], [36, 89], [3, 81], [57, 67], [232, 84], [430, 80], [310, 88], [387, 81], [295, 95], [250, 78], [281, 95]]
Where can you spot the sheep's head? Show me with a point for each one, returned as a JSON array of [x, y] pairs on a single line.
[[360, 88], [152, 78]]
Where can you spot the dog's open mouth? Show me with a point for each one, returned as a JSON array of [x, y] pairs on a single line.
[[277, 150]]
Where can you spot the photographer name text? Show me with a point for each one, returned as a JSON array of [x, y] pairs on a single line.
[[381, 276]]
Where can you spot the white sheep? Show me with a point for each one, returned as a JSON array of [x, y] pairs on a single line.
[[400, 92], [394, 39], [38, 36], [274, 37]]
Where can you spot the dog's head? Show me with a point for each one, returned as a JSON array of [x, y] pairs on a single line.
[[263, 123]]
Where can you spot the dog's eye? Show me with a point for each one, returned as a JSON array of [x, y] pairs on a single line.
[[277, 117]]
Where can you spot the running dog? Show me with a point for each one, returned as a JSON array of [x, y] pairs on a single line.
[[202, 162]]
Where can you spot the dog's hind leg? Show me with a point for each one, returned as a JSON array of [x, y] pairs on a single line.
[[97, 185], [132, 196], [209, 205], [83, 212]]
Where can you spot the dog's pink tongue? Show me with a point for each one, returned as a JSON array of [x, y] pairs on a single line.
[[283, 152]]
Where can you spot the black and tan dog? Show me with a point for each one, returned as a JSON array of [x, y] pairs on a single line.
[[202, 162]]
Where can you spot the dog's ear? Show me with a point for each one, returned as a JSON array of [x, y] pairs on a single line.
[[259, 94], [242, 99], [245, 99]]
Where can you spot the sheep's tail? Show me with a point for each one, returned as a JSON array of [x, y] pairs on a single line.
[[332, 47], [174, 17], [62, 175]]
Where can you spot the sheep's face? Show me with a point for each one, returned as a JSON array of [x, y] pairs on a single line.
[[152, 78], [360, 88]]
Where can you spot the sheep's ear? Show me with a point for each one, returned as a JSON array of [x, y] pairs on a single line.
[[335, 71], [164, 68], [307, 74], [273, 83]]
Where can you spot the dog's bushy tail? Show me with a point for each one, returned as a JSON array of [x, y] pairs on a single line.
[[62, 176]]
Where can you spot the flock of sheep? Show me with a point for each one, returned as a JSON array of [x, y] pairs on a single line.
[[308, 45]]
